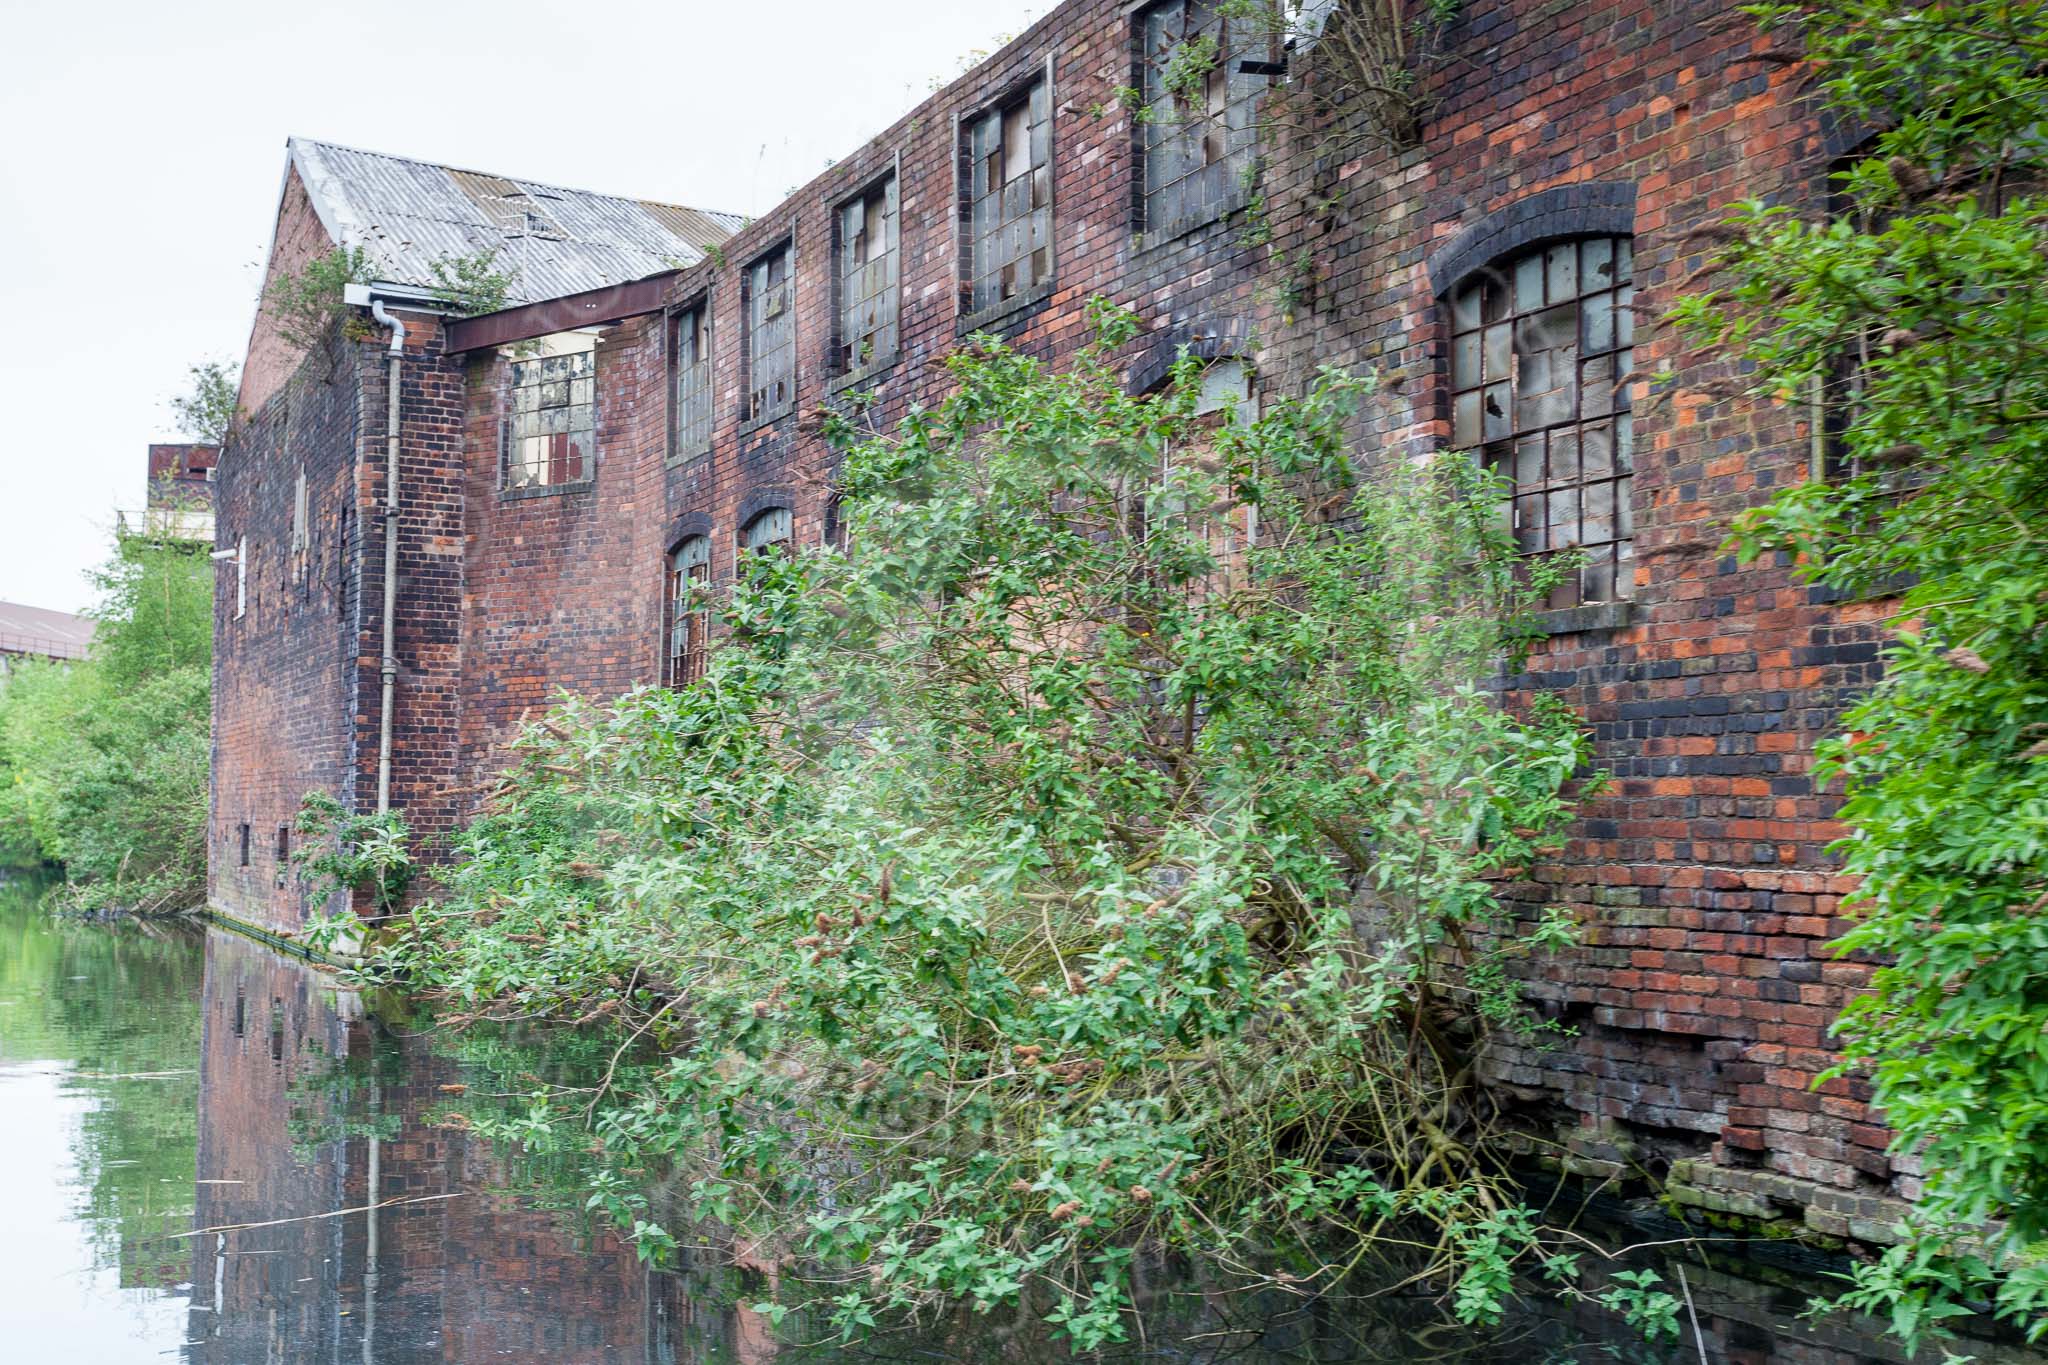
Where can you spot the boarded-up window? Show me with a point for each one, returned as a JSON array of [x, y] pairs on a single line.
[[1540, 347], [689, 631], [771, 337], [1009, 199], [867, 277], [690, 355], [551, 434], [773, 530], [1200, 134]]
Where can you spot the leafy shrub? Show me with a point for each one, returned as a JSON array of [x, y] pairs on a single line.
[[1100, 850]]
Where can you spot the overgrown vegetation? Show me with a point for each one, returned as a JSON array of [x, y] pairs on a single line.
[[1098, 852], [103, 762], [1362, 68], [472, 283], [337, 850], [306, 305], [1921, 314]]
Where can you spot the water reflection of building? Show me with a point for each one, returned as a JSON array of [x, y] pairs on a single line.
[[310, 1106]]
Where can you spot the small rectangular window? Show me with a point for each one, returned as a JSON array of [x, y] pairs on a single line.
[[1008, 193], [690, 355], [551, 430], [241, 578], [244, 835], [284, 852], [771, 336], [867, 277]]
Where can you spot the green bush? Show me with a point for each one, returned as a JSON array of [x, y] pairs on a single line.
[[1070, 863]]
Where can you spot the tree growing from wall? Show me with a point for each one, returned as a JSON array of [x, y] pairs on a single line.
[[206, 410], [1918, 315]]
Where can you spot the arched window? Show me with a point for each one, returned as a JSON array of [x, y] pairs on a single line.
[[1540, 347], [689, 623], [772, 530]]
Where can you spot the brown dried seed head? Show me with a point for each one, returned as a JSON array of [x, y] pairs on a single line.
[[1968, 659], [1020, 1186], [810, 941], [1141, 1194], [1066, 1210]]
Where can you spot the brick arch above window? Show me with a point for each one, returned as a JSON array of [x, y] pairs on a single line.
[[682, 527], [1204, 338], [1595, 209], [763, 499]]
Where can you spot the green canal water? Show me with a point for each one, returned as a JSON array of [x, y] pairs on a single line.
[[210, 1153]]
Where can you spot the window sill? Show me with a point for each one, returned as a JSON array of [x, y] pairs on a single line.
[[1155, 238], [871, 373], [1000, 312], [683, 459], [1590, 617], [545, 490], [754, 424]]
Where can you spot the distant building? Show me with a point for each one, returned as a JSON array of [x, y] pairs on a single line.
[[38, 633], [180, 501]]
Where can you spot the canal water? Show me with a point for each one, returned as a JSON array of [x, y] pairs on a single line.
[[211, 1153]]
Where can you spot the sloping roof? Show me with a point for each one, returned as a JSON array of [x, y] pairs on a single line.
[[560, 241], [34, 630]]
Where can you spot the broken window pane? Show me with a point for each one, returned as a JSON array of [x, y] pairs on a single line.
[[771, 336], [1538, 358], [867, 277], [1200, 133], [690, 355], [689, 616], [1009, 204], [551, 419]]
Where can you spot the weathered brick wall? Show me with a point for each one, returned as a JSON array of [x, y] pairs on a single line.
[[284, 693], [427, 708], [1701, 999], [563, 588]]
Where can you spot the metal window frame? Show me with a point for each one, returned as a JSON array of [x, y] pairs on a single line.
[[508, 414], [966, 317], [672, 316], [1148, 232], [846, 375], [1615, 551], [784, 244]]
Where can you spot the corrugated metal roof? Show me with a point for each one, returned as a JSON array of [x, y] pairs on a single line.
[[35, 630], [561, 241]]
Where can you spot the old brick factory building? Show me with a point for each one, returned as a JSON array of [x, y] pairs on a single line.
[[634, 418]]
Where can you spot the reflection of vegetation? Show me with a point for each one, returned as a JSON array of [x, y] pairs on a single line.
[[132, 1018]]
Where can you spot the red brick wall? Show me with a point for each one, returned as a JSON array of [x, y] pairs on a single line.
[[283, 690], [562, 589], [1701, 999]]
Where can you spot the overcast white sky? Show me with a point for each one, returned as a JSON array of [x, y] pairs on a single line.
[[142, 147]]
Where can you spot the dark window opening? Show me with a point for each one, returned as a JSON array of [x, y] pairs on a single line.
[[771, 337], [690, 354], [1540, 352], [276, 1029], [689, 617], [1199, 138], [284, 852], [244, 829], [1009, 199], [551, 433], [868, 276]]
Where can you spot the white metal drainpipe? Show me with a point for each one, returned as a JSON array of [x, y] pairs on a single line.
[[396, 360]]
